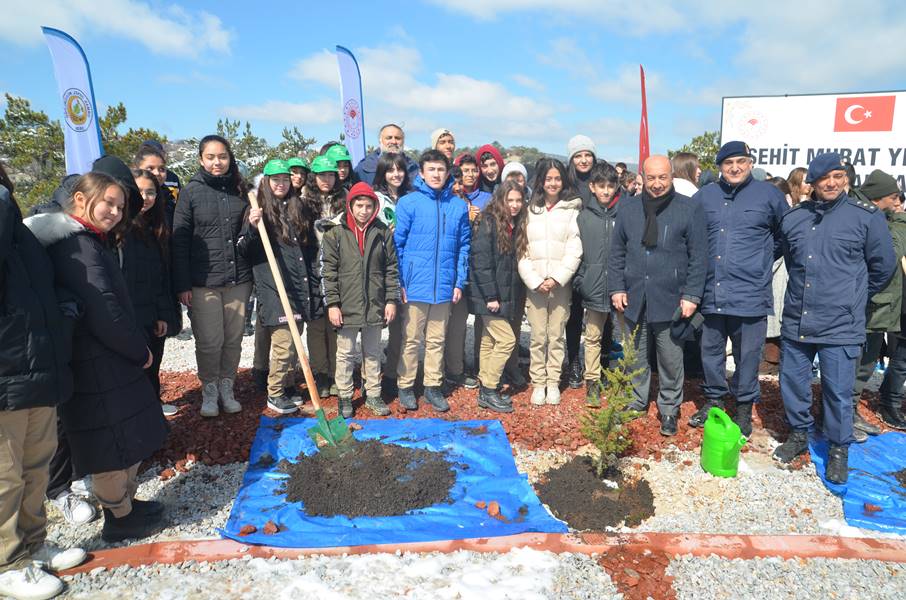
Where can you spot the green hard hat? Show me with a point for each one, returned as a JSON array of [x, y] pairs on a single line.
[[323, 164], [276, 167], [298, 162], [338, 152]]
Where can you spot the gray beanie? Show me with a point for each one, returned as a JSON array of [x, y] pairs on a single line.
[[579, 143]]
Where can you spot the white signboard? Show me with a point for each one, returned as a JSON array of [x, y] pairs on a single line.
[[784, 132]]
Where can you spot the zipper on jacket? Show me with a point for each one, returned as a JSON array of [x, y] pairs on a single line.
[[437, 248]]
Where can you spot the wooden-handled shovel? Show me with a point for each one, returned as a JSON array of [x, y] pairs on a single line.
[[334, 431]]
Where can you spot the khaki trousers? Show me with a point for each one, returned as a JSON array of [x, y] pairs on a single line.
[[28, 440], [218, 322], [394, 345], [283, 360], [512, 365], [262, 346], [115, 489], [455, 346], [322, 347], [547, 315], [594, 331], [497, 343], [371, 360], [423, 323]]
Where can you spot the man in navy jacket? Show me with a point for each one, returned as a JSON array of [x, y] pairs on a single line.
[[743, 216], [391, 139], [838, 253], [656, 267]]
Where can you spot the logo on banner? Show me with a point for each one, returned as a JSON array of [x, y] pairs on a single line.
[[865, 113], [77, 108], [352, 114]]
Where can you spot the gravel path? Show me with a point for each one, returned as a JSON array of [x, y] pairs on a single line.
[[521, 574], [723, 579]]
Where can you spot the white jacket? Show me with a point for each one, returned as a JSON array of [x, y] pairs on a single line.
[[554, 247]]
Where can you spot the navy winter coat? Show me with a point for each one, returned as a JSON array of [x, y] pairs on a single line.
[[432, 239], [838, 254], [113, 420], [657, 278], [35, 344], [742, 225], [596, 225]]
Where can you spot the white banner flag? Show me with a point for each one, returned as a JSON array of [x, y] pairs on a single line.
[[81, 133], [351, 98]]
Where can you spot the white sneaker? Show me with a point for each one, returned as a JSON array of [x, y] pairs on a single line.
[[81, 487], [74, 508], [209, 396], [538, 395], [553, 394], [57, 559], [230, 405], [30, 583], [168, 409]]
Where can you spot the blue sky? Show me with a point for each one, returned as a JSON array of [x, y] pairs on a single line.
[[526, 72]]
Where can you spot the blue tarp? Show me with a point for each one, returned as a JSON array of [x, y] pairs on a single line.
[[871, 481], [484, 468]]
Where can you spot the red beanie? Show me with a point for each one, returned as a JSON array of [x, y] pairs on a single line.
[[361, 189], [493, 151]]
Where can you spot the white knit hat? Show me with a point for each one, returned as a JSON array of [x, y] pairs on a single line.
[[513, 166], [578, 143], [436, 135]]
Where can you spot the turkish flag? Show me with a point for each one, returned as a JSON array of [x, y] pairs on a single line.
[[865, 113]]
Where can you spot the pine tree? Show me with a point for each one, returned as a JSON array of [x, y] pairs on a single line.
[[605, 425]]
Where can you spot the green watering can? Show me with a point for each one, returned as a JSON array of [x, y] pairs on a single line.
[[721, 444]]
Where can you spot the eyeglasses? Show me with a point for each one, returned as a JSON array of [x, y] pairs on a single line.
[[149, 194]]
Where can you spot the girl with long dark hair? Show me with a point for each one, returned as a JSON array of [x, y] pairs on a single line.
[[552, 257], [209, 275]]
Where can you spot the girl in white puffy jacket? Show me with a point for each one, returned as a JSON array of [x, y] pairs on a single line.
[[547, 268]]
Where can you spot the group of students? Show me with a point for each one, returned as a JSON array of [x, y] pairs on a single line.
[[91, 282]]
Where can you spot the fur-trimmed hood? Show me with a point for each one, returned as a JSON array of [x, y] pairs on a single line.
[[51, 228]]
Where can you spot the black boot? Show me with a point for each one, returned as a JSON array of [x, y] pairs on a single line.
[[837, 468], [435, 396], [259, 377], [576, 374], [701, 415], [408, 399], [892, 416], [133, 526], [149, 508], [489, 398], [795, 445], [863, 425], [743, 418]]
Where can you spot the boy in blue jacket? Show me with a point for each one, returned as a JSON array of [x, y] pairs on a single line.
[[432, 238]]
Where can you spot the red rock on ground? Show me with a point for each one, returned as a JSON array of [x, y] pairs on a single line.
[[167, 474], [639, 576], [270, 528], [247, 530], [872, 508], [481, 504], [494, 508]]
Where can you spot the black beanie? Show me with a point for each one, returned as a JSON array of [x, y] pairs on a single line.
[[879, 184], [116, 168]]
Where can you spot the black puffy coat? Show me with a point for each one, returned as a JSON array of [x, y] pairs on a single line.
[[492, 275], [114, 419], [596, 223], [301, 274], [147, 275], [206, 226], [34, 348]]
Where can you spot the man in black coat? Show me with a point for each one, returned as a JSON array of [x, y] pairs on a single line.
[[656, 274]]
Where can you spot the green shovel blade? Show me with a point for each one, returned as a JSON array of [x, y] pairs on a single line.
[[334, 431]]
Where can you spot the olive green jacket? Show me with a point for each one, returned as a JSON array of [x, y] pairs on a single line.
[[884, 308]]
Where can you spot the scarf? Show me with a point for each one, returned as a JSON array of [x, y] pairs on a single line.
[[358, 230], [653, 207], [220, 182]]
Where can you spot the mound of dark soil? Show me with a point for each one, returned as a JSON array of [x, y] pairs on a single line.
[[901, 477], [576, 495], [372, 479]]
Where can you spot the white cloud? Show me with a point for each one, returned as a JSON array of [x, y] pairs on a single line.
[[173, 31], [394, 84], [277, 111], [567, 55], [529, 83]]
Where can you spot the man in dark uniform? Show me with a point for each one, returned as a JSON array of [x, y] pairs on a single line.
[[838, 253], [743, 216]]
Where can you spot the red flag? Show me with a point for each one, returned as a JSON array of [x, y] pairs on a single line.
[[644, 148], [865, 113]]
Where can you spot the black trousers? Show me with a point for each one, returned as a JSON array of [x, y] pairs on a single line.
[[61, 473], [156, 345], [574, 328]]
